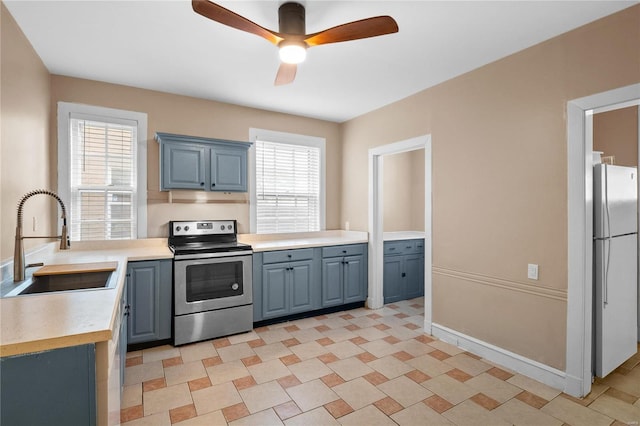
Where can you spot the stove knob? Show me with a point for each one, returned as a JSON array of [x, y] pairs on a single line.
[[222, 227], [229, 227], [235, 286], [178, 229], [186, 228]]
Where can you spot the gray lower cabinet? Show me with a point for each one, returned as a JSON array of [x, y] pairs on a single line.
[[403, 275], [56, 387], [189, 162], [344, 272], [288, 281], [149, 299]]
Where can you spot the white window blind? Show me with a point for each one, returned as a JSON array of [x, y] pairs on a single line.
[[103, 180], [287, 187]]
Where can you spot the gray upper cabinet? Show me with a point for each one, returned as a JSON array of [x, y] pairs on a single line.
[[189, 162], [183, 166], [228, 169]]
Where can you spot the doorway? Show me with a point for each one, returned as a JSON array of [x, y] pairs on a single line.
[[375, 299], [580, 230]]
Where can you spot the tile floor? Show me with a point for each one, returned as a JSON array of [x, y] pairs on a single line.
[[358, 367]]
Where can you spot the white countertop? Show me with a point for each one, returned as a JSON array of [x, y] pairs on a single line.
[[38, 322], [269, 242], [403, 235]]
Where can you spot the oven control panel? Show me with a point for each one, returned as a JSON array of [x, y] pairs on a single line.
[[203, 227]]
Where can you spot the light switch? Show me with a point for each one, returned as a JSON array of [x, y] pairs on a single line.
[[532, 271]]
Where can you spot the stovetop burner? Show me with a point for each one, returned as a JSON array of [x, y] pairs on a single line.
[[200, 247], [204, 236]]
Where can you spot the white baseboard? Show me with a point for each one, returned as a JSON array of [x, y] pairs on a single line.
[[543, 373]]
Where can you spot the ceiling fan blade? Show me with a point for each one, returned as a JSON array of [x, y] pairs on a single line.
[[286, 74], [225, 16], [370, 27]]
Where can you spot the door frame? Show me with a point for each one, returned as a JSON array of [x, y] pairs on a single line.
[[580, 231], [375, 298]]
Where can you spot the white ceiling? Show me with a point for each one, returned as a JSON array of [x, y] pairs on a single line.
[[165, 46]]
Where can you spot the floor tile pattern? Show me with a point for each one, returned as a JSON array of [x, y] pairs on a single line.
[[359, 367]]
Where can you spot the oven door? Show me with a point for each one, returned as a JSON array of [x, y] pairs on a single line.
[[212, 283]]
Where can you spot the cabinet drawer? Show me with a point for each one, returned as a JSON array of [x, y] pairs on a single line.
[[347, 250], [404, 247], [287, 255]]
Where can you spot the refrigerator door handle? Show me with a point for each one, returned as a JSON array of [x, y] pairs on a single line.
[[605, 281], [607, 235]]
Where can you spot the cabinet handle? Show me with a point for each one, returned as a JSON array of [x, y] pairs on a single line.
[[213, 184], [408, 247], [346, 262], [289, 256], [404, 275], [392, 249], [344, 251], [201, 183]]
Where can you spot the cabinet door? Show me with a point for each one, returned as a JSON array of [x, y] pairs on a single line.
[[414, 280], [183, 166], [332, 286], [228, 169], [300, 274], [392, 278], [274, 290], [144, 300], [56, 387], [354, 281], [123, 336]]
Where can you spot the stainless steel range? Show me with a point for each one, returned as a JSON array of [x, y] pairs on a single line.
[[212, 280]]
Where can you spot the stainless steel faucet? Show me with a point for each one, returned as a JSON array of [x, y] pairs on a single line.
[[18, 253]]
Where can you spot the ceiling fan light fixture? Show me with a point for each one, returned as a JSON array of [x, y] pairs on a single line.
[[292, 52]]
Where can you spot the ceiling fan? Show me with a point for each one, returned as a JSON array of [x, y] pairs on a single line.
[[291, 38]]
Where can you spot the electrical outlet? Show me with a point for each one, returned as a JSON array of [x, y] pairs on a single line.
[[35, 224], [532, 271], [346, 226]]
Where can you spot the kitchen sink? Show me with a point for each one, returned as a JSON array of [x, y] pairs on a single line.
[[67, 282]]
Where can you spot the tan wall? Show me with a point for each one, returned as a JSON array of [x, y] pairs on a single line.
[[499, 180], [24, 138], [403, 191], [616, 133], [198, 117], [417, 190]]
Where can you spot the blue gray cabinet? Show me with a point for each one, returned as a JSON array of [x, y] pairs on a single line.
[[288, 283], [344, 274], [56, 387], [190, 162], [122, 338], [403, 274], [228, 169], [149, 298], [183, 166]]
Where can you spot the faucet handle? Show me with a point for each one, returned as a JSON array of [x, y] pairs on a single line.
[[32, 265]]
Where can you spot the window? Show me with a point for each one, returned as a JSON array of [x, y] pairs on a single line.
[[287, 194], [102, 172]]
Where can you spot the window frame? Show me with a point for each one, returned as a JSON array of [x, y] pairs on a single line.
[[290, 139], [65, 112]]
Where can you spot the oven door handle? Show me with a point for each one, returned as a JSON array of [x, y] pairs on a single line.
[[211, 255]]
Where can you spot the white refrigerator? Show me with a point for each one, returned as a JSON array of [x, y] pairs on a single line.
[[615, 219]]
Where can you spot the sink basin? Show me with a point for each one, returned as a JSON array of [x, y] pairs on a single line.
[[58, 278], [66, 282]]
